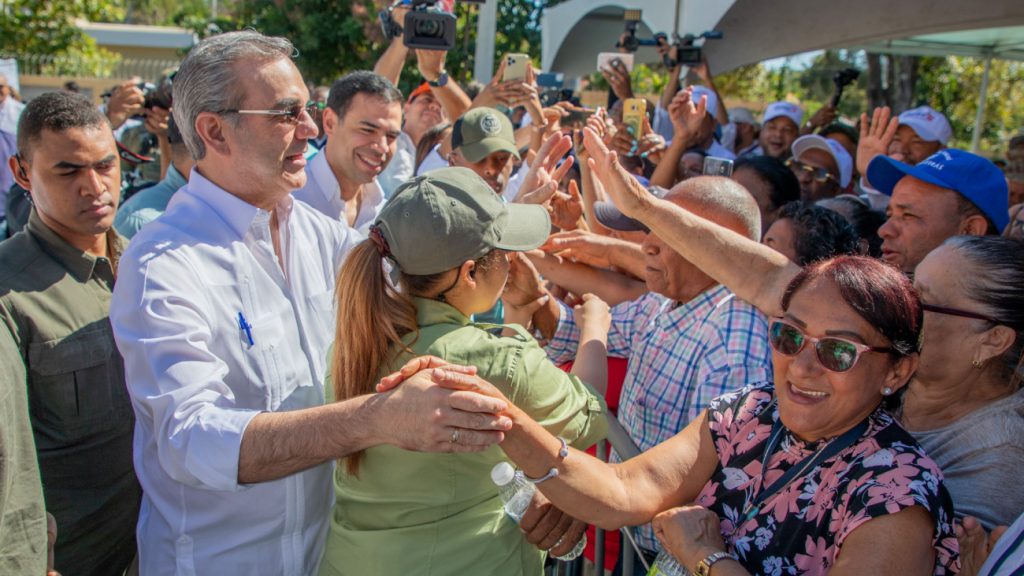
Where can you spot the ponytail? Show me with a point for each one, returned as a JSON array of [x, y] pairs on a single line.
[[372, 317]]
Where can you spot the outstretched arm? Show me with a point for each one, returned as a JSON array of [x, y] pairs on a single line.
[[752, 271]]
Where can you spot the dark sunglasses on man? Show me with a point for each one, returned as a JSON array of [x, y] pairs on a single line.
[[818, 174]]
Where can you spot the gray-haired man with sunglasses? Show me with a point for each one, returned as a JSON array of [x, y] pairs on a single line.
[[224, 312]]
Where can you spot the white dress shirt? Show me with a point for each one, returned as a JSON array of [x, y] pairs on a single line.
[[196, 378], [323, 193], [401, 167]]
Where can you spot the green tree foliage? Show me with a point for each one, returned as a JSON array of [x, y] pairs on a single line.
[[46, 28], [952, 85]]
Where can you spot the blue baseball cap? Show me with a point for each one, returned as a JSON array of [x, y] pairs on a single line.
[[973, 177]]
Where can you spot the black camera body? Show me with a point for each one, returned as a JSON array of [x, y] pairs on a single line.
[[685, 53], [842, 79], [427, 26], [158, 95]]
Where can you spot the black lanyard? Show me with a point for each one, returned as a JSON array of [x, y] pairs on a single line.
[[834, 446]]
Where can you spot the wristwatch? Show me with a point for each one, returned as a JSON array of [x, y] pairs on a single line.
[[704, 566], [442, 80]]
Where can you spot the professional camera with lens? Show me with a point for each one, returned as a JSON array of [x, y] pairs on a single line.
[[158, 95], [682, 50], [429, 24]]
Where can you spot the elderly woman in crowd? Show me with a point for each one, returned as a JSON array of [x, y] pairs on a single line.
[[807, 473], [972, 334]]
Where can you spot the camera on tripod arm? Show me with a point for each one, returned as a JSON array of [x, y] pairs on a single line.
[[682, 50]]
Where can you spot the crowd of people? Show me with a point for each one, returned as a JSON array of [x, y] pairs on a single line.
[[303, 345]]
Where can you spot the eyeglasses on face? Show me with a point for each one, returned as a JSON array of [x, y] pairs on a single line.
[[818, 174], [957, 312], [291, 115], [834, 354]]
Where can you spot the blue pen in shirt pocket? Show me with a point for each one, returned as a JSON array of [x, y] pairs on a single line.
[[245, 328]]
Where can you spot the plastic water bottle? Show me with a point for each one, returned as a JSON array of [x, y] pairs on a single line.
[[517, 492], [666, 565]]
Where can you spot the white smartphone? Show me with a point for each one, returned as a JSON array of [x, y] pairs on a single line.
[[615, 60], [515, 67]]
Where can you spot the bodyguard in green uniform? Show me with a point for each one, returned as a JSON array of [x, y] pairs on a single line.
[[22, 513], [56, 278]]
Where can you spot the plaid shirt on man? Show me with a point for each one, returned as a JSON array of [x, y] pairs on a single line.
[[680, 358]]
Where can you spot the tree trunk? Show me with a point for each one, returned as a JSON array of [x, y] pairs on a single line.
[[875, 91], [903, 87]]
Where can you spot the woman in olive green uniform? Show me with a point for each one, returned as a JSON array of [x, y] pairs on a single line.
[[447, 237]]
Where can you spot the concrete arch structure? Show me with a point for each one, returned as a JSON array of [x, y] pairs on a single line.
[[574, 32]]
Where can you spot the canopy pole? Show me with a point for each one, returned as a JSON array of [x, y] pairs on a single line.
[[979, 119], [486, 29]]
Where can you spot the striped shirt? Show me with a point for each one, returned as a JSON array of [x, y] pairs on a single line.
[[680, 358]]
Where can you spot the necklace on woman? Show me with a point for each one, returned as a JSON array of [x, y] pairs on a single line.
[[825, 452]]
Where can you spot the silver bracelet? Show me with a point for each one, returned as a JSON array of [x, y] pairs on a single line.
[[563, 452]]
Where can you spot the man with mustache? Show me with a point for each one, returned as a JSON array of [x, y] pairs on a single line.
[[56, 281], [362, 122]]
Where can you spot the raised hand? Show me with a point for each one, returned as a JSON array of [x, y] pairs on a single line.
[[627, 194], [566, 209], [618, 78], [875, 137], [430, 63], [687, 116], [541, 181]]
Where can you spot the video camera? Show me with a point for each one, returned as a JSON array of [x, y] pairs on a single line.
[[158, 95], [681, 46], [842, 79], [429, 25]]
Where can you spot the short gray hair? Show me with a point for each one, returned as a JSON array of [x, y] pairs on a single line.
[[205, 80]]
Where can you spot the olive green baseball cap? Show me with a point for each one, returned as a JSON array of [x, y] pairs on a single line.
[[437, 221], [483, 131]]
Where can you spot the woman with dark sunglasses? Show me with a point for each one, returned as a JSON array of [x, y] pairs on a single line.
[[806, 474], [967, 359]]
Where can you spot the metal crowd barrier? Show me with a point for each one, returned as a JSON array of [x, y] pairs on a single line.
[[624, 446]]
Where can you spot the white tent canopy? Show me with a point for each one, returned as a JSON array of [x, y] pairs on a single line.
[[574, 32]]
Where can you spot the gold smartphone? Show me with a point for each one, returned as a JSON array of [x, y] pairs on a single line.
[[515, 67], [634, 110]]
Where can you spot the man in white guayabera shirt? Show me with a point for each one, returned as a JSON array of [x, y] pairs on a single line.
[[223, 312]]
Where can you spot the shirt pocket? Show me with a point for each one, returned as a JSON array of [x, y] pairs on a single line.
[[76, 383], [320, 330]]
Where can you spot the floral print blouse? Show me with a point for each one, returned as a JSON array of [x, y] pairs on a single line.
[[801, 528]]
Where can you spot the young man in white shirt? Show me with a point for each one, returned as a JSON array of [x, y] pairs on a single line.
[[362, 121], [223, 312]]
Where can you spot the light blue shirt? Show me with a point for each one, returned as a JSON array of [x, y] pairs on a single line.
[[148, 204]]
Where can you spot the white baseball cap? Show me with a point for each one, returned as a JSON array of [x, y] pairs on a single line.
[[930, 124], [698, 91], [782, 108], [839, 154], [740, 115]]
